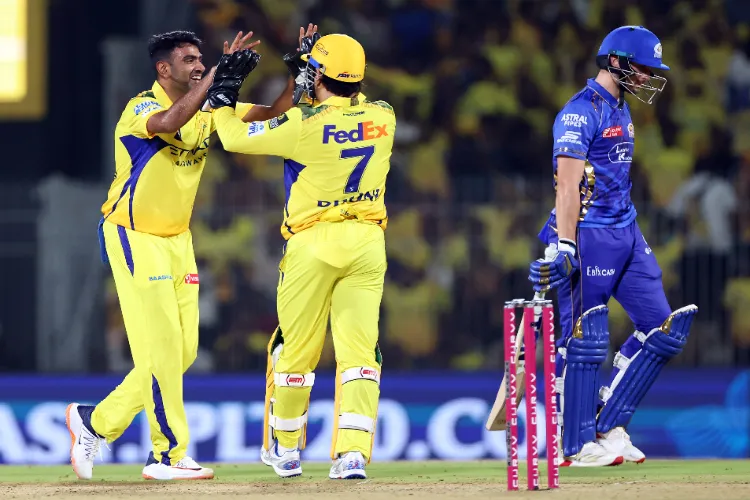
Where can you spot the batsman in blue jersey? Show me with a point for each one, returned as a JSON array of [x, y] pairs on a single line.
[[601, 254]]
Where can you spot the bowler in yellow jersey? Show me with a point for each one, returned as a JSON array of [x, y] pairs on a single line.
[[161, 143], [336, 160]]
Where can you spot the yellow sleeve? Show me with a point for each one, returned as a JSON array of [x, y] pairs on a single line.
[[240, 109], [137, 113], [278, 136]]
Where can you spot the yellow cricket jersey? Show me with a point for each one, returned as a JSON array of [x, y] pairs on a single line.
[[336, 158], [157, 176]]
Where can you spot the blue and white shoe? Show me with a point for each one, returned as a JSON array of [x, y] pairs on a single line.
[[285, 464], [350, 465]]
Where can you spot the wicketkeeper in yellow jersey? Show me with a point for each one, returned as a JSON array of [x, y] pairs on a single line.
[[161, 142], [336, 159]]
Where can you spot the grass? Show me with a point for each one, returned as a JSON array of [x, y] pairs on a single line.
[[661, 471]]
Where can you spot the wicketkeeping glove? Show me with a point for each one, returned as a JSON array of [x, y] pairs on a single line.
[[230, 74], [298, 68], [554, 268]]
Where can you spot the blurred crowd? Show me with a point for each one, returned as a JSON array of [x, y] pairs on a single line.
[[476, 85]]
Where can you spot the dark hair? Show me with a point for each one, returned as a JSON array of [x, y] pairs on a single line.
[[160, 47], [342, 89]]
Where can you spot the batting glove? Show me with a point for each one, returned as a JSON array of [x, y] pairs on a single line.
[[555, 268]]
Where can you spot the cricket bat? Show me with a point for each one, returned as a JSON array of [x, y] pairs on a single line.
[[496, 420]]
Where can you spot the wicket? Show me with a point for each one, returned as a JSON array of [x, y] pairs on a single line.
[[531, 309]]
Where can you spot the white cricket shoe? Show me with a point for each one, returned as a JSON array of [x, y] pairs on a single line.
[[592, 455], [287, 464], [187, 468], [84, 442], [617, 441], [350, 465]]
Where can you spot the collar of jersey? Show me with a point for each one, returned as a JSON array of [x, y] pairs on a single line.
[[343, 102], [161, 95], [609, 98]]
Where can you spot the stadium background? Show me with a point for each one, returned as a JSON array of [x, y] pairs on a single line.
[[476, 85]]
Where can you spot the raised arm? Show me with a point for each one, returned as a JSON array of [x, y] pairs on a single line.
[[182, 110], [278, 136]]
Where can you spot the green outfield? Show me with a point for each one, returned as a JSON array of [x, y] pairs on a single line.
[[683, 480]]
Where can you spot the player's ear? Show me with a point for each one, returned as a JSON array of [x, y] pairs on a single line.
[[163, 69]]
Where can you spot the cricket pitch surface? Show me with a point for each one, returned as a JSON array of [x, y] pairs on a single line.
[[434, 480]]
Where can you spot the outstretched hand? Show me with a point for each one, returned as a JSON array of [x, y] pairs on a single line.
[[241, 43]]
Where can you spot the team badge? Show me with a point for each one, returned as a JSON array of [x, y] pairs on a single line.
[[631, 130]]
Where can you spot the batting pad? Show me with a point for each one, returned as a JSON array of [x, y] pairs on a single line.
[[353, 420], [273, 423], [637, 374], [585, 352]]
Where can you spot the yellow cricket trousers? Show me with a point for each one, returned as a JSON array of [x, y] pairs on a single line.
[[157, 284], [336, 269]]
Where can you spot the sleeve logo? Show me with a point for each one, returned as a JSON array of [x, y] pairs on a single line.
[[574, 120], [276, 121], [571, 137], [256, 128], [146, 107]]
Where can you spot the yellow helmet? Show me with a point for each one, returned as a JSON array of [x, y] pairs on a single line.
[[340, 57]]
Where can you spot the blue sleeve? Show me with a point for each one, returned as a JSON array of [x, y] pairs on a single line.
[[574, 129]]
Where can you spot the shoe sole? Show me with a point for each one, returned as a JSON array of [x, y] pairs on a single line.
[[569, 463], [72, 440], [352, 476], [197, 478], [280, 472]]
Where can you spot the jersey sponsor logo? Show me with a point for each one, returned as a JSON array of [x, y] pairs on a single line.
[[612, 132], [365, 131], [256, 128], [163, 277], [574, 120], [356, 113], [621, 153], [192, 279], [366, 196], [631, 130], [279, 120], [595, 272], [571, 137], [146, 107]]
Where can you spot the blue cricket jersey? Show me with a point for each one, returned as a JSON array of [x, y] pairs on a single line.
[[592, 127]]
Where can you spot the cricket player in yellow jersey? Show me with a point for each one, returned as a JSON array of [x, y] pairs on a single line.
[[337, 157], [161, 142]]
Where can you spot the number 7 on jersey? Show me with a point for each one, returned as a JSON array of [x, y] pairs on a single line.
[[355, 178]]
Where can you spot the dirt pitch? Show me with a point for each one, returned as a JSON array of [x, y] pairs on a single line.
[[376, 491], [667, 480]]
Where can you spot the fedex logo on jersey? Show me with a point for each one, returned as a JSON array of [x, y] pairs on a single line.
[[574, 120], [365, 131]]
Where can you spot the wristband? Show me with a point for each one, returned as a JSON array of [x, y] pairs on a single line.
[[565, 245]]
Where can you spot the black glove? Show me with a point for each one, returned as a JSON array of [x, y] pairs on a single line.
[[293, 60], [298, 68], [230, 74]]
